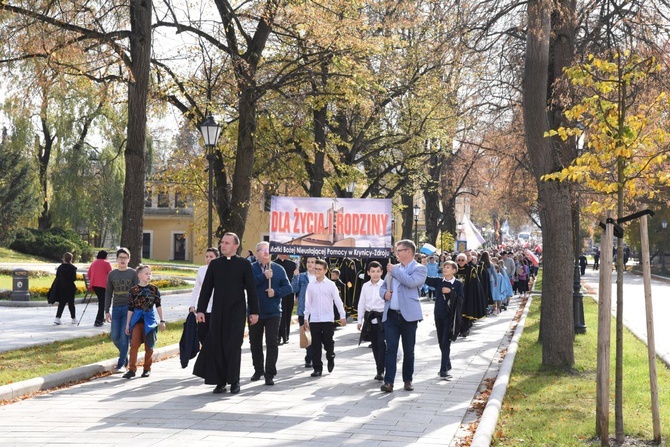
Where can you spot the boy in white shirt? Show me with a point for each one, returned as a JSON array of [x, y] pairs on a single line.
[[320, 297], [370, 312]]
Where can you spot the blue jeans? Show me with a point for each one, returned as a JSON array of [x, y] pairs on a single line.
[[395, 327], [118, 333]]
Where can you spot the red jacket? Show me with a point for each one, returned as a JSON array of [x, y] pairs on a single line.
[[97, 273]]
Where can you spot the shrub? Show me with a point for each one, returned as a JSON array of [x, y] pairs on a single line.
[[31, 273], [169, 282], [51, 244]]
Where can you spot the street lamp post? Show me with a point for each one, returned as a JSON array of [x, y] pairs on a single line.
[[416, 211], [351, 187], [664, 225], [577, 296], [210, 135]]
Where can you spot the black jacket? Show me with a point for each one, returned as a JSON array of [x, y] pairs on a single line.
[[189, 346]]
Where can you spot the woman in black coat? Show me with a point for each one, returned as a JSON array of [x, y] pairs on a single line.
[[65, 289]]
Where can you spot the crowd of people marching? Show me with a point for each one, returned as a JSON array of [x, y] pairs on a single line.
[[382, 296]]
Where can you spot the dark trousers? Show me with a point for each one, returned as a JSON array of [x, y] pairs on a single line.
[[378, 345], [308, 350], [443, 327], [271, 328], [322, 334], [61, 307], [100, 293], [286, 314], [396, 327]]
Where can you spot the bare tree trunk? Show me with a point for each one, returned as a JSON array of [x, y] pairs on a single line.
[[245, 65], [43, 158], [432, 197], [244, 163], [316, 182], [133, 189], [557, 325], [407, 216]]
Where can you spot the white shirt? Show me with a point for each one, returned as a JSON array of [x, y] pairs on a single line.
[[370, 299], [319, 300], [199, 278]]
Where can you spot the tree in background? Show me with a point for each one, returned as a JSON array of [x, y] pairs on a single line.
[[82, 40], [18, 183], [71, 123], [622, 114]]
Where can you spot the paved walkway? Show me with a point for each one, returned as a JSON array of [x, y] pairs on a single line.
[[31, 326], [173, 407]]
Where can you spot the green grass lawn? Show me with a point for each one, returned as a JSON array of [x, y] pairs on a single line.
[[6, 282], [7, 255], [38, 361], [549, 407]]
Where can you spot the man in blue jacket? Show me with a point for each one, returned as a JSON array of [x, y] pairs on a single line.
[[402, 312], [271, 285]]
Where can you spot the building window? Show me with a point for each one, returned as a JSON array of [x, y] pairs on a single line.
[[163, 200], [179, 200], [146, 245], [179, 246]]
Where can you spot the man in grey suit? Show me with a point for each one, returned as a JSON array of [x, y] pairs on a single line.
[[402, 312]]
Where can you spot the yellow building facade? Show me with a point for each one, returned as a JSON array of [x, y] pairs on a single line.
[[175, 227]]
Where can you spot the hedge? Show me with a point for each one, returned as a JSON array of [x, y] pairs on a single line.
[[52, 244], [37, 293]]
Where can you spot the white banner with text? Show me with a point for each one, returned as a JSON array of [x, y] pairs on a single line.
[[330, 227]]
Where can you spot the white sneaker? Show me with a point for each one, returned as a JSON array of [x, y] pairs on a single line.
[[120, 370], [74, 321], [57, 322]]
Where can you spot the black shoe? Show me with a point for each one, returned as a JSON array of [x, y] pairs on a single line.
[[316, 373], [308, 364], [445, 375], [331, 364], [387, 388], [129, 375], [146, 373], [286, 341], [97, 324], [379, 377], [269, 381], [234, 388], [256, 376], [219, 389]]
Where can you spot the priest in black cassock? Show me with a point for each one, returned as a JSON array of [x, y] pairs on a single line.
[[229, 276], [472, 290]]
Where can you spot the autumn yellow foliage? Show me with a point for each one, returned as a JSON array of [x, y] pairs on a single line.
[[621, 119]]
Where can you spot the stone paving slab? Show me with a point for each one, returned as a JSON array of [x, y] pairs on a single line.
[[342, 408]]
